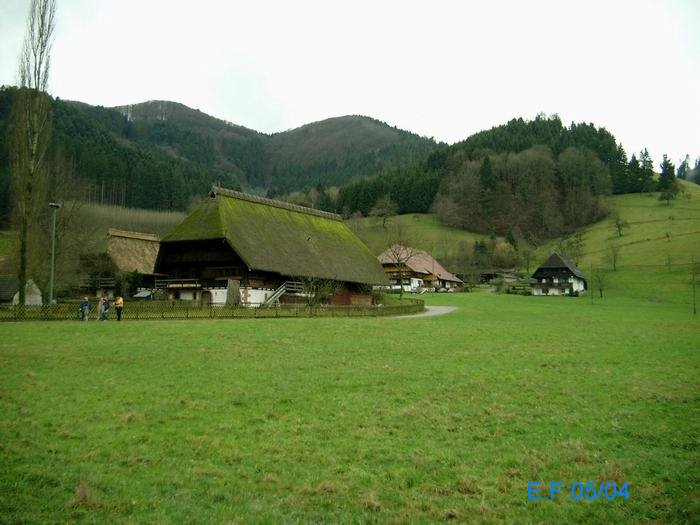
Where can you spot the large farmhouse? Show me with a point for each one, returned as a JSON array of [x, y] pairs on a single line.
[[236, 247], [558, 276], [414, 269]]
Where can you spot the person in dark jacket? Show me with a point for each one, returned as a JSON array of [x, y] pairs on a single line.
[[84, 309]]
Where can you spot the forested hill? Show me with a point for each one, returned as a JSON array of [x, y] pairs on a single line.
[[332, 151], [323, 153], [161, 154], [533, 178]]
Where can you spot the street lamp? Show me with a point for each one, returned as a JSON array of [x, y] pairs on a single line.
[[55, 207]]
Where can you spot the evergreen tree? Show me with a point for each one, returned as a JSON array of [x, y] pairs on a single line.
[[325, 202], [683, 168], [646, 171], [668, 175], [619, 172], [486, 175], [634, 175]]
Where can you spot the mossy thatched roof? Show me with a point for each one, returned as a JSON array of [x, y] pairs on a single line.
[[133, 251], [283, 238]]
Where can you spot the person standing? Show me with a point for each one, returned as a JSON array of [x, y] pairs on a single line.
[[84, 309], [100, 308], [105, 308], [118, 306]]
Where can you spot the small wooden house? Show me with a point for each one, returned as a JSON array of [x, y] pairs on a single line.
[[263, 251], [558, 276], [415, 269]]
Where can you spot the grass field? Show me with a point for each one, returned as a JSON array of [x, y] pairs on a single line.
[[657, 232], [420, 230], [352, 420], [379, 420]]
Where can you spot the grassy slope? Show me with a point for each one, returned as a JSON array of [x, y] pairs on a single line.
[[645, 242], [420, 230], [645, 248], [354, 420]]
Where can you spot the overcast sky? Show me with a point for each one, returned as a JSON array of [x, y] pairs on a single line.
[[440, 69]]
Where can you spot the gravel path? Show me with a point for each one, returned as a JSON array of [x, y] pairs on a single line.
[[430, 311]]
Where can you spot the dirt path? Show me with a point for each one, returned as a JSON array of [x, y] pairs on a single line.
[[430, 311]]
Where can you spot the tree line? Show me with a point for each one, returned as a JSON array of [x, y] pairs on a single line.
[[538, 178], [107, 171]]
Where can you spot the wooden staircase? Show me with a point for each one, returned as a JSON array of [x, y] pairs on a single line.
[[285, 287]]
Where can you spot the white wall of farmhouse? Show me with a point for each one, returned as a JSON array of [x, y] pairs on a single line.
[[558, 286], [254, 296]]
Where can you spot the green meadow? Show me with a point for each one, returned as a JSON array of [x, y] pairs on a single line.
[[356, 420], [656, 233], [421, 230], [375, 419]]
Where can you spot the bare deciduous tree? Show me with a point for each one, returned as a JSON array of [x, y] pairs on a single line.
[[619, 223], [76, 236], [384, 208], [599, 277], [401, 255], [31, 129], [400, 251], [613, 255]]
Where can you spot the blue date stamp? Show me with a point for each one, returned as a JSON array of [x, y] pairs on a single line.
[[578, 491]]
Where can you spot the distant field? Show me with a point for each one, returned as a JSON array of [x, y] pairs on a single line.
[[656, 234], [103, 217], [97, 219], [646, 242], [420, 230], [338, 420]]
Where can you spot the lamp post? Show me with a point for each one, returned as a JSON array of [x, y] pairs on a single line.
[[55, 207]]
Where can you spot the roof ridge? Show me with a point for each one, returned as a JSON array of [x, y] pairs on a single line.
[[218, 190], [114, 232]]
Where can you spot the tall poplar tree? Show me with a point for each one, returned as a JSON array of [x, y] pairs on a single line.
[[31, 129]]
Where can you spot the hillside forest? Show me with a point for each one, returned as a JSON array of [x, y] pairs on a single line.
[[531, 179], [162, 155]]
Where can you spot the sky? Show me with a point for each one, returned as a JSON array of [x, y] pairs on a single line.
[[442, 69]]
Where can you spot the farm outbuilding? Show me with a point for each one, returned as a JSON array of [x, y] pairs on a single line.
[[127, 252], [558, 276], [9, 292], [415, 269], [133, 251], [236, 247]]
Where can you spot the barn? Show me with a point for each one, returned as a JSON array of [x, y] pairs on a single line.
[[236, 247], [558, 276], [127, 252]]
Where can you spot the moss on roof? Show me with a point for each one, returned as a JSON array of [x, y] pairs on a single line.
[[275, 237]]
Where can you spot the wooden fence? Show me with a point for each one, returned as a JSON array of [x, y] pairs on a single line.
[[150, 310]]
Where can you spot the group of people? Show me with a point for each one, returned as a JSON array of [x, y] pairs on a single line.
[[102, 308]]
